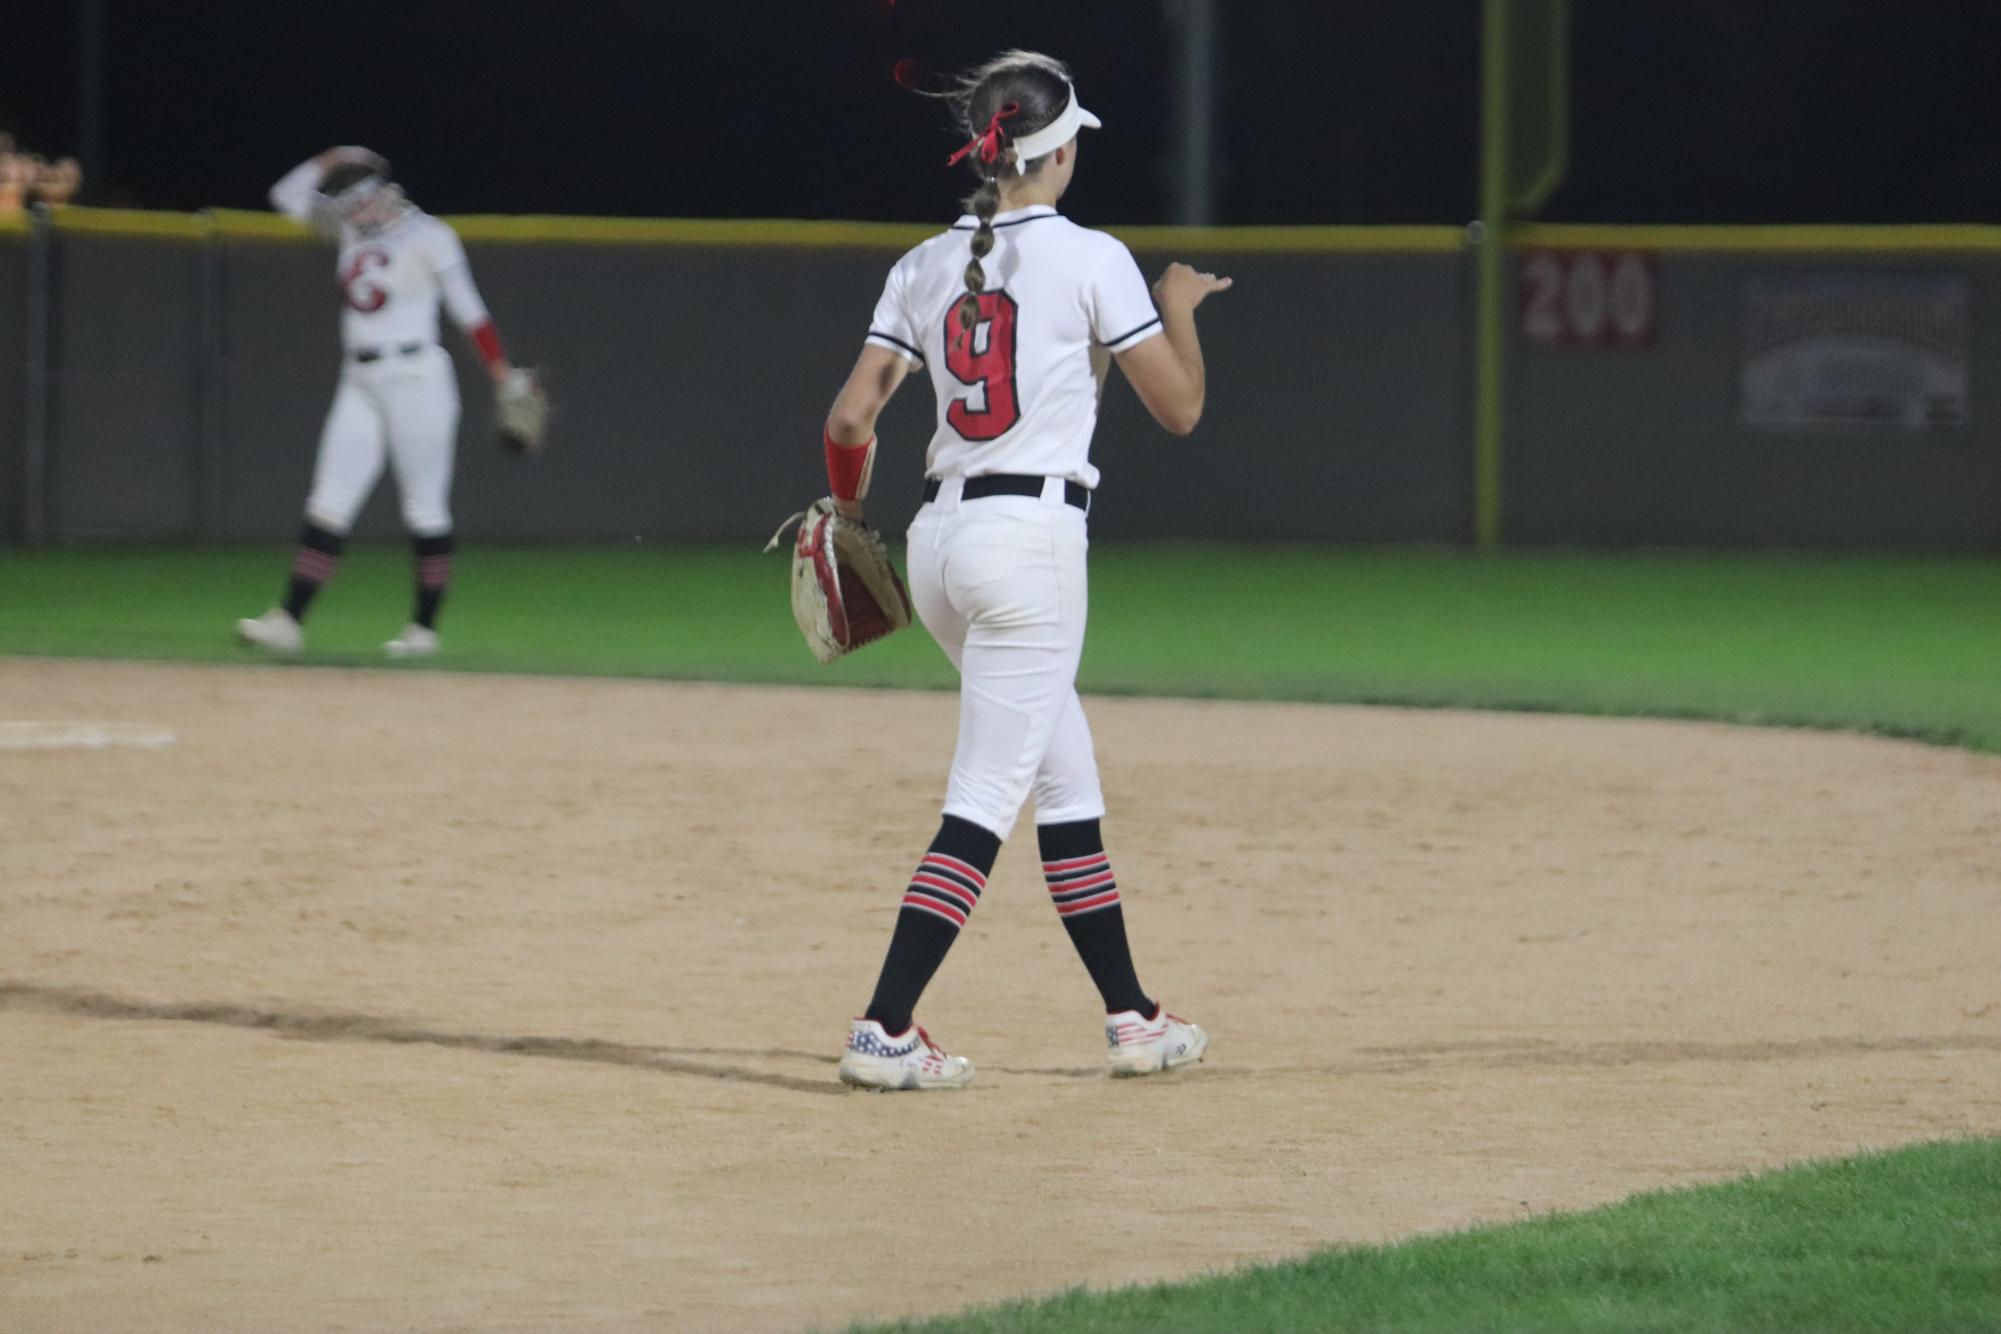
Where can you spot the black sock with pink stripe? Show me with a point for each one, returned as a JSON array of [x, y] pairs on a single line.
[[941, 896], [313, 564], [1086, 895], [434, 572]]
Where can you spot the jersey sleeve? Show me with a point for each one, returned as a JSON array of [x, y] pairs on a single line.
[[891, 327], [1122, 311], [462, 299], [295, 193]]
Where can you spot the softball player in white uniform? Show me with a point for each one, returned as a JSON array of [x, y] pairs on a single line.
[[398, 399], [1017, 343]]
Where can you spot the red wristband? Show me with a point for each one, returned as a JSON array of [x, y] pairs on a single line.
[[849, 466], [487, 339]]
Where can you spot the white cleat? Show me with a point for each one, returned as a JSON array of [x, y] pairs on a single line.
[[274, 632], [1143, 1046], [911, 1060], [414, 642]]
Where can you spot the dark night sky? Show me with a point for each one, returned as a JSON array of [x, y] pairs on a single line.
[[1330, 110]]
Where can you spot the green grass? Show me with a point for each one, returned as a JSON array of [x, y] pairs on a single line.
[[1907, 1240], [1904, 645]]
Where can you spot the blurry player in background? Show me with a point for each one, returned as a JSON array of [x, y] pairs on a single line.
[[398, 398]]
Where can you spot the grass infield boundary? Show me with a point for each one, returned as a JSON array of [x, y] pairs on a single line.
[[1899, 647], [1905, 1239]]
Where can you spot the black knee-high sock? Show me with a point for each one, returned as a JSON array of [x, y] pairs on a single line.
[[1087, 898], [940, 898], [313, 564], [434, 572]]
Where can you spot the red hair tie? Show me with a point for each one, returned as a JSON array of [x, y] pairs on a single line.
[[989, 140]]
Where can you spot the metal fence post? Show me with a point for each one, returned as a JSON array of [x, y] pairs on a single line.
[[1491, 329], [1192, 76], [35, 516], [211, 426]]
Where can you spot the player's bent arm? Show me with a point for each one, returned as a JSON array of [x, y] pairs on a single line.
[[1167, 372], [1171, 391], [871, 384], [850, 430], [294, 194]]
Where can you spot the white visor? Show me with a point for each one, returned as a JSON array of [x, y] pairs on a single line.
[[358, 196], [368, 205], [1054, 135]]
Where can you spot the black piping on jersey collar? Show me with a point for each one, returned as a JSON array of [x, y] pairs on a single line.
[[891, 338], [1011, 222]]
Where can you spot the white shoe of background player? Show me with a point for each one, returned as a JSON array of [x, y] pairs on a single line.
[[274, 632], [1144, 1046], [414, 642], [875, 1060]]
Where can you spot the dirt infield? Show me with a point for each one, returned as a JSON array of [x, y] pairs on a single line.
[[451, 1002]]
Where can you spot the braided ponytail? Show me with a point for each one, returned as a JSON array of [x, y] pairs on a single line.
[[986, 201], [1016, 93]]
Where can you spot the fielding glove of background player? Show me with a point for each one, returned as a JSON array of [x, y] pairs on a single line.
[[521, 411], [845, 592]]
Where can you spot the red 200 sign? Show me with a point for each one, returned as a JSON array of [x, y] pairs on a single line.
[[1589, 298]]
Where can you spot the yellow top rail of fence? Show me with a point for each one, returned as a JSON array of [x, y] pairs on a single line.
[[1793, 238], [1784, 238], [130, 222], [246, 224]]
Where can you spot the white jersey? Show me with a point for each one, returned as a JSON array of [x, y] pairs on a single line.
[[392, 278], [1019, 394]]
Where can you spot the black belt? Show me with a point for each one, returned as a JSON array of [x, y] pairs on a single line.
[[1010, 484], [367, 354]]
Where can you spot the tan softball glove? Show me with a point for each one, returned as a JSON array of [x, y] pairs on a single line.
[[521, 412], [845, 591]]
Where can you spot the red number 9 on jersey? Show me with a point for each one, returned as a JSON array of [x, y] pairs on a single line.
[[983, 358]]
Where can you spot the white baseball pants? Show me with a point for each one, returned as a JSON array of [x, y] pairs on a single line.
[[404, 409], [1000, 584]]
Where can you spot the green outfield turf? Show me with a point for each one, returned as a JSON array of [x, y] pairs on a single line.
[[1908, 1240], [1904, 645]]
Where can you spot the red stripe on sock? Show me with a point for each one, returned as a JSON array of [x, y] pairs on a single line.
[[1085, 905], [930, 905], [1104, 877], [954, 864], [958, 892], [1075, 863]]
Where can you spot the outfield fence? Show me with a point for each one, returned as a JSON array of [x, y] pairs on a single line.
[[163, 377]]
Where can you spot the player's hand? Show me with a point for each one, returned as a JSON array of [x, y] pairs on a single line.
[[851, 510], [368, 157], [1185, 287]]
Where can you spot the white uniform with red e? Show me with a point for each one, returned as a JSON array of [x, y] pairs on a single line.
[[999, 577], [398, 399]]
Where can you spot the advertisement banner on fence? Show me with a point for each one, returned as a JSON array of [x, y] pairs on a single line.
[[1845, 350]]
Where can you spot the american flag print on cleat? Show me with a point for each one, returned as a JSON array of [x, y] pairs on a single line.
[[1144, 1046], [876, 1060]]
